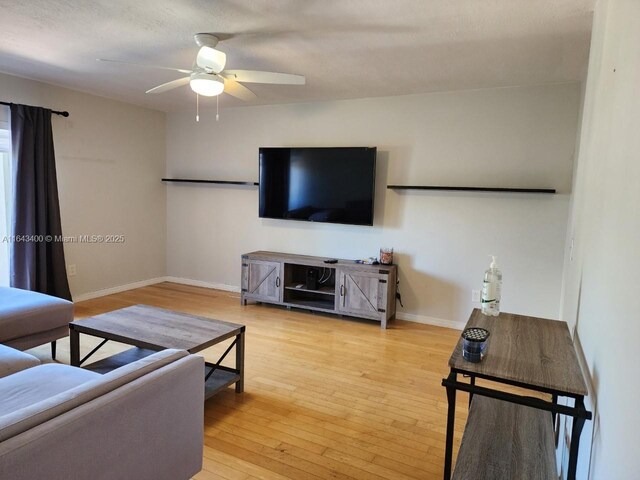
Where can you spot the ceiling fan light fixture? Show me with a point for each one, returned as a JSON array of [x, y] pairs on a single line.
[[206, 84], [211, 59]]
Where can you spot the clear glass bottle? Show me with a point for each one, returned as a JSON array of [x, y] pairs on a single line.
[[491, 289]]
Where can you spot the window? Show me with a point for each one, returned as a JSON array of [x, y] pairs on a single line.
[[5, 194]]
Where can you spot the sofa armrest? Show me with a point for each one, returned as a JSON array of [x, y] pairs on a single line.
[[149, 428], [31, 415]]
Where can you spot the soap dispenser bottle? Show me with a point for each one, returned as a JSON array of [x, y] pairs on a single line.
[[491, 288]]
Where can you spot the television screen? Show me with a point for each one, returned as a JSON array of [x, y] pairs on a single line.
[[333, 185]]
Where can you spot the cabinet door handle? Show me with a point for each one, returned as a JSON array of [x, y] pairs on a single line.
[[342, 290], [278, 282]]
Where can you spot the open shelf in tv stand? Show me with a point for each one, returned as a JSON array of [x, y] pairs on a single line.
[[351, 289]]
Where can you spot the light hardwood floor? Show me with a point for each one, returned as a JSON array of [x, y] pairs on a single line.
[[325, 398]]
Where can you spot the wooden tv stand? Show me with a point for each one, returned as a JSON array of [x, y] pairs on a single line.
[[345, 288]]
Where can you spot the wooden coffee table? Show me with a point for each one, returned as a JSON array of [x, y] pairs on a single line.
[[151, 329]]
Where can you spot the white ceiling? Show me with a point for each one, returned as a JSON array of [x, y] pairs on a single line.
[[346, 48]]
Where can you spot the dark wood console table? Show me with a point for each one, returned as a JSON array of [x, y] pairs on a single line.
[[528, 352]]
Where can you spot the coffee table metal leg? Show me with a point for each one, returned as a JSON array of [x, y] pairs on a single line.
[[74, 340], [240, 361]]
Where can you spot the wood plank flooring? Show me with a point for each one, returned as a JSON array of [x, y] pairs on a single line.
[[325, 398]]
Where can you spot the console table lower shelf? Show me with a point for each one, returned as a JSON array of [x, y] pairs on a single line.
[[344, 288]]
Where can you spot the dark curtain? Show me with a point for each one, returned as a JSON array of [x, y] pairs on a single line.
[[37, 255]]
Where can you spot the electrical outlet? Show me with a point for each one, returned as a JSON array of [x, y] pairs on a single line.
[[475, 296], [71, 270]]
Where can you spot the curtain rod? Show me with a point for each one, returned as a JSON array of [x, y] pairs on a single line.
[[64, 114]]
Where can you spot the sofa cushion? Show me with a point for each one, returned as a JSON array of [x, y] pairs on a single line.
[[148, 429], [12, 361], [39, 383], [23, 312], [18, 421]]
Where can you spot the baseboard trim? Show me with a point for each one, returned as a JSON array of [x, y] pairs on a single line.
[[409, 317], [117, 289], [199, 283], [437, 322]]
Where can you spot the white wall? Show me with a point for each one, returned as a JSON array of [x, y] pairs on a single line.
[[110, 157], [602, 279], [521, 137]]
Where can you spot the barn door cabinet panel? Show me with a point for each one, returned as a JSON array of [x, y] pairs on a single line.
[[349, 289], [361, 293], [261, 281], [366, 294]]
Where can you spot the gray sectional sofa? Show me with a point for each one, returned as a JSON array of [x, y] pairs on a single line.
[[141, 421], [29, 319]]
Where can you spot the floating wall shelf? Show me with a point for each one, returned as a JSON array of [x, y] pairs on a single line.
[[215, 182], [472, 189]]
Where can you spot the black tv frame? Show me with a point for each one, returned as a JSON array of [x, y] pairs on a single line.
[[373, 187]]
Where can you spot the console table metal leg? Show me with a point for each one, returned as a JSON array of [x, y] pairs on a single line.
[[555, 420], [451, 414], [472, 381], [576, 431], [74, 343], [240, 361]]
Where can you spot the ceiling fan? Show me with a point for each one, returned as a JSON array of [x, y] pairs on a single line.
[[209, 78]]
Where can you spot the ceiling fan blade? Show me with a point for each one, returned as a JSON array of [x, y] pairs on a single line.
[[181, 70], [170, 85], [237, 90], [254, 76], [210, 58]]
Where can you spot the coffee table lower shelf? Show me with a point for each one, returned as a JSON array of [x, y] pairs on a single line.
[[220, 379]]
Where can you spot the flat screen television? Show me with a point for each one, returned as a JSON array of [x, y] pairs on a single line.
[[333, 185]]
